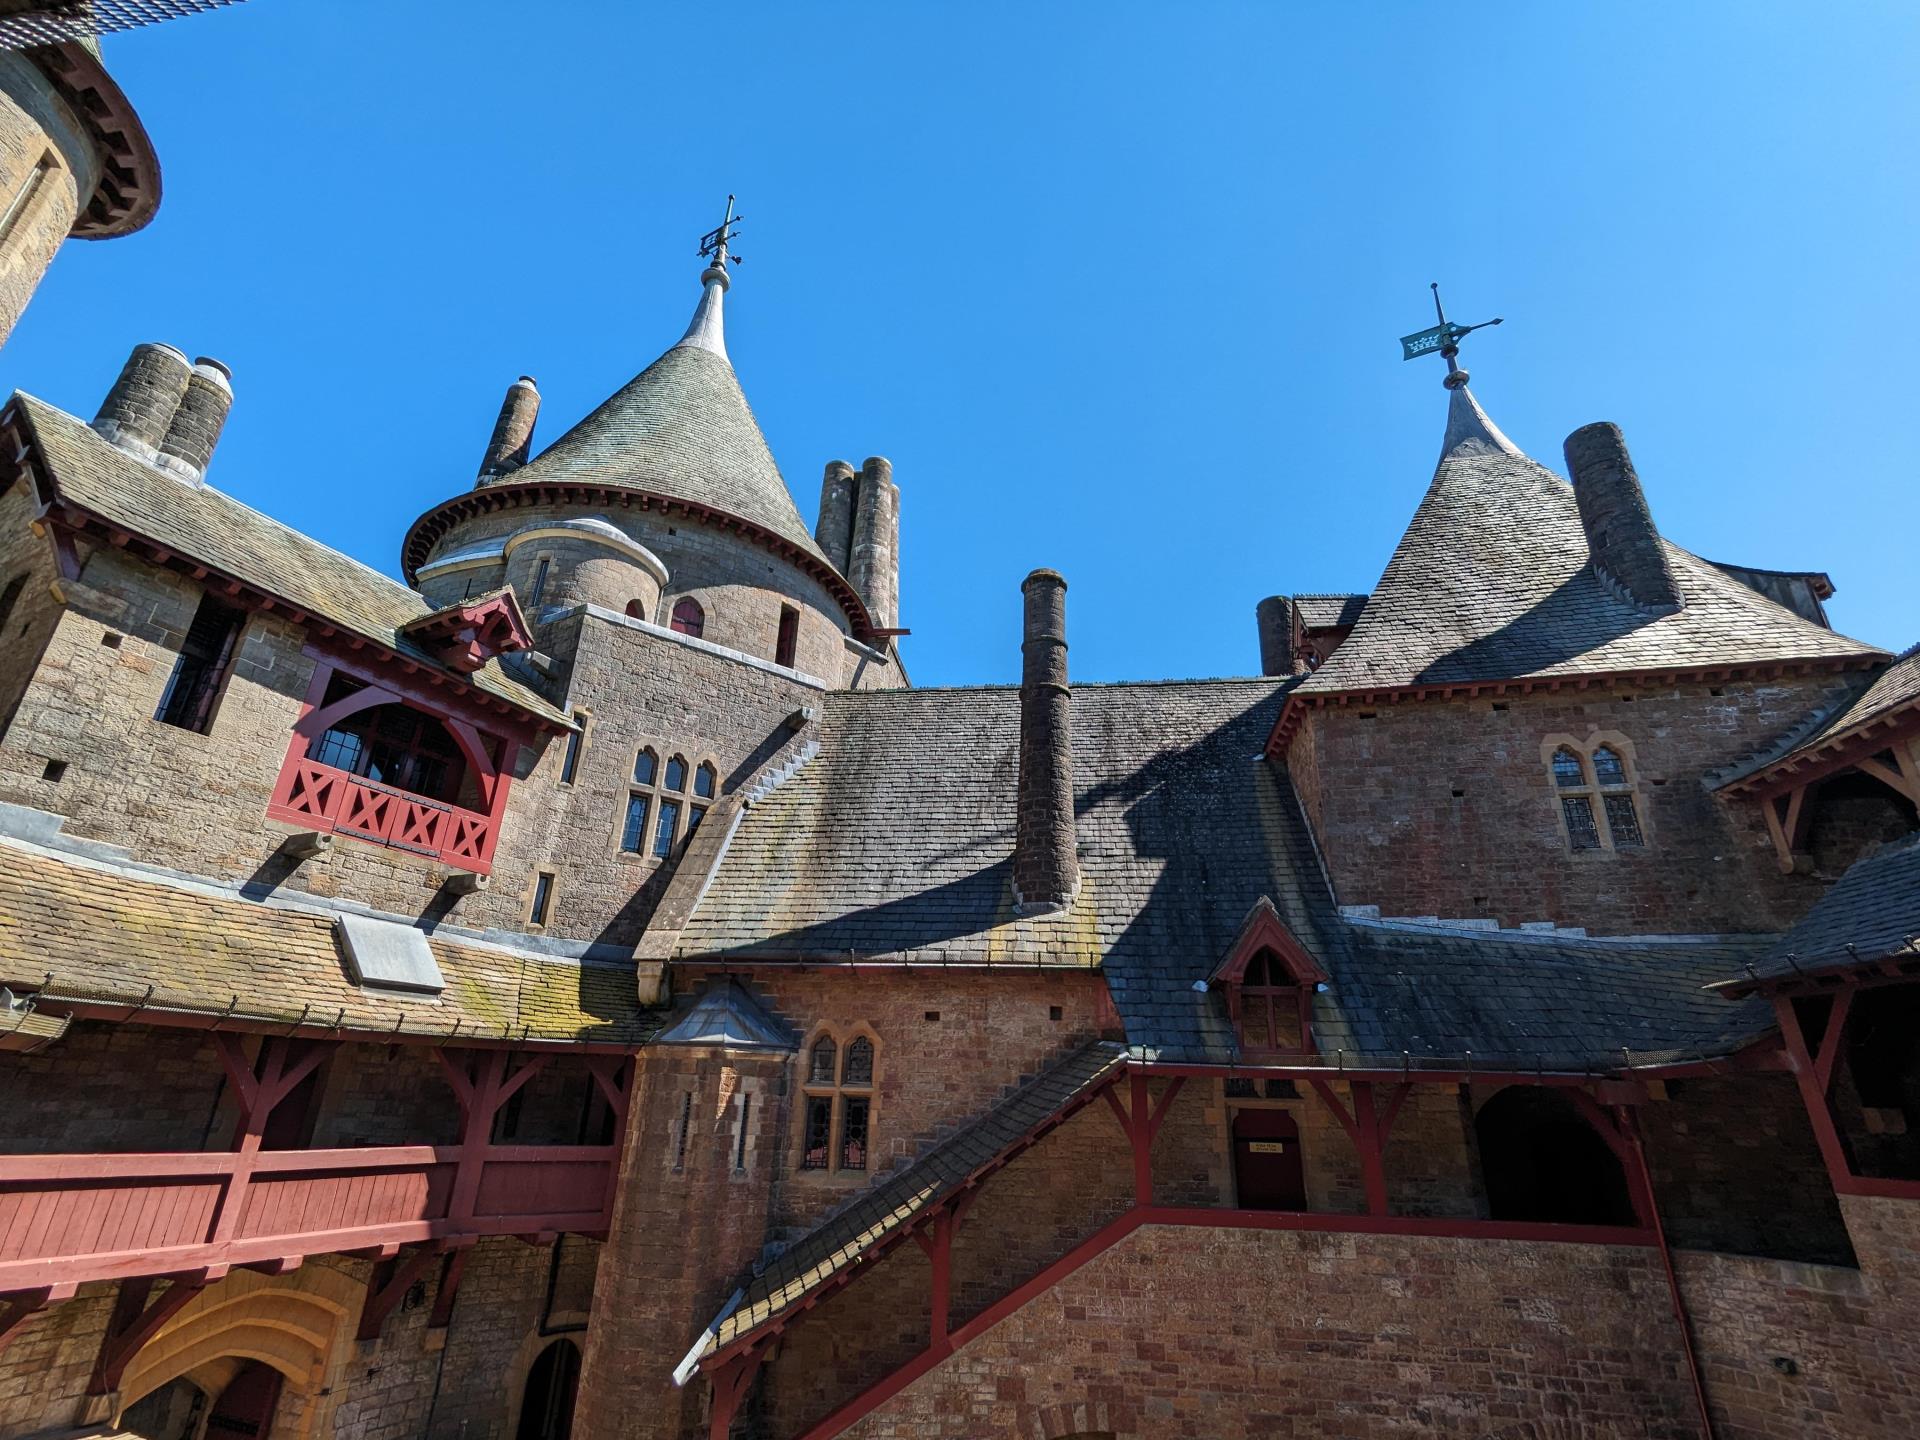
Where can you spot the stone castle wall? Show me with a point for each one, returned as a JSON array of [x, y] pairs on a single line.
[[1447, 808], [47, 166]]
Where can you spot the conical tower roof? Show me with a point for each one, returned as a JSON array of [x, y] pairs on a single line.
[[681, 428], [1494, 580]]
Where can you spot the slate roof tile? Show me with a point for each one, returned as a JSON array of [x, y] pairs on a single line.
[[1857, 705], [220, 532], [1872, 914], [1492, 581]]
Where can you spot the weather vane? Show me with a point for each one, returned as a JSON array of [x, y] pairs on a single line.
[[714, 243], [1444, 337]]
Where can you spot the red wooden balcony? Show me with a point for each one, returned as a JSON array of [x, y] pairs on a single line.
[[68, 1219], [335, 801]]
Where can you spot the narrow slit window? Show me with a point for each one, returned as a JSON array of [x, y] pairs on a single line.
[[787, 643], [200, 673], [686, 1124], [542, 898], [633, 834], [746, 1114], [539, 580], [570, 762]]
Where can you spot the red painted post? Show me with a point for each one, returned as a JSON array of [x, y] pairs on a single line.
[[476, 1137], [942, 1255], [1141, 1133], [1373, 1169], [1813, 1092]]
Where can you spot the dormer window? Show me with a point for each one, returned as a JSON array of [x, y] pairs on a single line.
[[1269, 979]]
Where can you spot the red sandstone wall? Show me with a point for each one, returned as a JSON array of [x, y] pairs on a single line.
[[1395, 834]]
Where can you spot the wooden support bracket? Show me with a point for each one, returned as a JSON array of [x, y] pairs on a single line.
[[136, 1320], [388, 1285], [22, 1307]]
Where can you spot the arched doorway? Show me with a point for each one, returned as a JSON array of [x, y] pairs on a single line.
[[1542, 1161], [245, 1408], [546, 1405]]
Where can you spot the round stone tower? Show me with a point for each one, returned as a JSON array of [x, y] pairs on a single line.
[[665, 506], [74, 160]]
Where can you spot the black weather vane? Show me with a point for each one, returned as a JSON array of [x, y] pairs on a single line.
[[715, 242], [1444, 337]]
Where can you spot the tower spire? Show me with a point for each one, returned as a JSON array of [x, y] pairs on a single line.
[[1444, 337], [707, 331]]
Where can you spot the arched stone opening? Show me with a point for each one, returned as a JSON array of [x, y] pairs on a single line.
[[547, 1397], [1542, 1161], [298, 1326]]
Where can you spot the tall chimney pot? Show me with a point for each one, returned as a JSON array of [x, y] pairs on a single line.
[[1621, 537], [512, 438], [833, 532], [874, 564], [197, 421], [1274, 617], [1046, 869], [138, 409]]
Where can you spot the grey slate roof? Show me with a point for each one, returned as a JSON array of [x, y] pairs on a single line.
[[1872, 914], [883, 1211], [681, 427], [1322, 612], [894, 843], [1856, 706], [1492, 582], [216, 530]]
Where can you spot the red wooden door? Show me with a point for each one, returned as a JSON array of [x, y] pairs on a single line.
[[1267, 1171], [244, 1410]]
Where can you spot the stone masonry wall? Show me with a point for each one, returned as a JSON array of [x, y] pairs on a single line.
[[1234, 1334], [1447, 808], [28, 558], [36, 126]]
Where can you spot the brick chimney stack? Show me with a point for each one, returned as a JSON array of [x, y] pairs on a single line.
[[1621, 536], [197, 421], [512, 437], [1274, 617], [1046, 869], [139, 408]]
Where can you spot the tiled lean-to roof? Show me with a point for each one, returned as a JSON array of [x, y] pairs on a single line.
[[1492, 581], [681, 428], [1858, 706], [81, 931], [1322, 612], [883, 1212], [893, 843], [214, 529], [1871, 916]]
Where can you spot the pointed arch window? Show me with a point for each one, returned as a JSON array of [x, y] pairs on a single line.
[[688, 617], [1270, 980], [1597, 793], [661, 813], [837, 1097]]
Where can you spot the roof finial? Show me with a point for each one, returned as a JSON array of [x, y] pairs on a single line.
[[1444, 337], [707, 332]]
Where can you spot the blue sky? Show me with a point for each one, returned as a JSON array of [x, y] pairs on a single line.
[[1116, 286]]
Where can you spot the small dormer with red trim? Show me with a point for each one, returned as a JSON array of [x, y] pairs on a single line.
[[467, 634], [1269, 979]]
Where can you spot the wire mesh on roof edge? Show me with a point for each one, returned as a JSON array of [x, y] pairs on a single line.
[[60, 22]]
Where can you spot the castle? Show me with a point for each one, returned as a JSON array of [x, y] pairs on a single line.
[[587, 990]]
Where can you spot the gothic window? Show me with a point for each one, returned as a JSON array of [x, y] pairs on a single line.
[[200, 671], [1596, 794], [660, 814], [837, 1105], [688, 617]]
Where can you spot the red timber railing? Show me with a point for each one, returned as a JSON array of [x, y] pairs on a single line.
[[66, 1220], [327, 799]]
